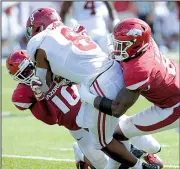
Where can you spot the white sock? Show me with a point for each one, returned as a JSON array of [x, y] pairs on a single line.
[[138, 165], [146, 143], [112, 164]]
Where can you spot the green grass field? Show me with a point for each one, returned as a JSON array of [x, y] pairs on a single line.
[[30, 144]]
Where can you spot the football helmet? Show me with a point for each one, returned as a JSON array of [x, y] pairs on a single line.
[[130, 37], [39, 20], [20, 66]]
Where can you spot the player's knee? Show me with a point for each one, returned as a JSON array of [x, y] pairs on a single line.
[[118, 135], [154, 148]]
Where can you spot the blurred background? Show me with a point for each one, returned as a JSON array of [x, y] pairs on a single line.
[[163, 18]]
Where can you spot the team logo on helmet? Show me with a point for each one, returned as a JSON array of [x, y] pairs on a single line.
[[134, 32]]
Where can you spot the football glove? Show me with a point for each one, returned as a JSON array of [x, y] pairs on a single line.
[[36, 86]]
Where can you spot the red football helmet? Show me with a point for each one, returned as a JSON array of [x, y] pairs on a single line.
[[130, 37], [20, 66], [39, 20]]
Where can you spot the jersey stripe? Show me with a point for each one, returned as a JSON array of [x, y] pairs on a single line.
[[137, 85], [23, 105], [99, 119], [104, 115]]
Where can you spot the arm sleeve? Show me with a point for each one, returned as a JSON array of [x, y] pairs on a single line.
[[23, 97], [44, 111]]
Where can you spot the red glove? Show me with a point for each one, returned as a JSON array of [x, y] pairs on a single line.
[[36, 86]]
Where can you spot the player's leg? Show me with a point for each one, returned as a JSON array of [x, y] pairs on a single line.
[[146, 143], [81, 161], [84, 140], [151, 120]]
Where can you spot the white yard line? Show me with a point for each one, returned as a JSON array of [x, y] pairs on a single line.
[[37, 158], [59, 159], [61, 149], [165, 145], [172, 166]]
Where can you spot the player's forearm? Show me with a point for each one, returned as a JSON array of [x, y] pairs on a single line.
[[110, 107]]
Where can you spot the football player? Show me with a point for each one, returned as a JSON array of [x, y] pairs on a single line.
[[147, 72], [56, 47], [61, 105]]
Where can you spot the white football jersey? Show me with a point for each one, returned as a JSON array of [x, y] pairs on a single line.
[[70, 55], [92, 15]]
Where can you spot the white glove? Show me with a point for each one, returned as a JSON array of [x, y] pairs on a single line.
[[36, 86], [86, 95]]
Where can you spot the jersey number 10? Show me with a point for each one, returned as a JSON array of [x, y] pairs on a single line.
[[65, 95]]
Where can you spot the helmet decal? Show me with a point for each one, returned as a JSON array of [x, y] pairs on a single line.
[[134, 32], [131, 38]]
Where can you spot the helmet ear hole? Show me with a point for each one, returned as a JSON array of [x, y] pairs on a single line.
[[22, 52], [38, 29], [143, 28]]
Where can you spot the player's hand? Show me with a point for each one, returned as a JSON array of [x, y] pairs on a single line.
[[80, 29], [36, 86], [86, 95]]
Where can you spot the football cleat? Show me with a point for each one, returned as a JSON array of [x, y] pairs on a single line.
[[154, 159], [150, 166], [78, 154], [136, 152]]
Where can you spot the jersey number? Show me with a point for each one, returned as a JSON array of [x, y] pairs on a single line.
[[83, 43], [90, 5], [68, 97], [169, 66]]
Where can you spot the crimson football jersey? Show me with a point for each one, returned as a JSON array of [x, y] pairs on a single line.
[[60, 106], [155, 75]]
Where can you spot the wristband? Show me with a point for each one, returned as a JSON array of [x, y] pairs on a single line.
[[105, 106]]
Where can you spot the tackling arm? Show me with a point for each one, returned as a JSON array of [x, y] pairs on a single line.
[[41, 59], [124, 100], [44, 111]]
